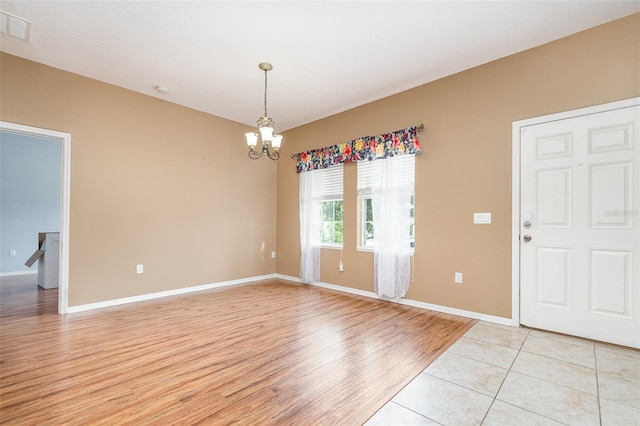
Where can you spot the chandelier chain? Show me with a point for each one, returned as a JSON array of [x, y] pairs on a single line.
[[265, 93]]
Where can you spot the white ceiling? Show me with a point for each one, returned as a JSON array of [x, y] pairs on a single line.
[[328, 56]]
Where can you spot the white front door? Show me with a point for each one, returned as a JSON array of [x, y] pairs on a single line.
[[580, 226]]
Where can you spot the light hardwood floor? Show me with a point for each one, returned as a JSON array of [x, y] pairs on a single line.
[[272, 352]]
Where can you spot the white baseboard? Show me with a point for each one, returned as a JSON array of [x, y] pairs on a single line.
[[151, 296], [409, 302], [370, 294], [12, 274]]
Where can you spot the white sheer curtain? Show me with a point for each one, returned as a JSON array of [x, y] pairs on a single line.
[[316, 186], [309, 230], [391, 191]]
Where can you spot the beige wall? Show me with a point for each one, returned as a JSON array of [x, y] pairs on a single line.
[[172, 188], [151, 183], [466, 163]]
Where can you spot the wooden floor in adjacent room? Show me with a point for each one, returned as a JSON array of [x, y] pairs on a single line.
[[272, 352]]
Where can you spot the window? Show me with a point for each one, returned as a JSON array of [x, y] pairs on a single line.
[[366, 220], [331, 222], [406, 178], [328, 204]]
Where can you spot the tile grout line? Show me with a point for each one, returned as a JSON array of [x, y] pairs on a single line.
[[595, 361], [414, 411], [555, 359], [500, 387], [504, 379], [509, 370]]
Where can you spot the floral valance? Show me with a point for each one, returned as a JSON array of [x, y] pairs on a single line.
[[404, 141]]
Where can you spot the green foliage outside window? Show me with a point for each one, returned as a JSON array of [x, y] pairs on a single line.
[[367, 224], [331, 222]]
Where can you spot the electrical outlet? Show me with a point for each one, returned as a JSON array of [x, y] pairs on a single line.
[[341, 267], [273, 254], [457, 278], [139, 269], [12, 253]]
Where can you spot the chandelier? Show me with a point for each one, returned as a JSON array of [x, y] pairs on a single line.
[[270, 141]]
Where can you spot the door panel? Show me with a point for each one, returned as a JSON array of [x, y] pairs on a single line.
[[611, 138], [580, 263], [610, 195], [554, 198], [610, 282], [554, 146], [554, 277]]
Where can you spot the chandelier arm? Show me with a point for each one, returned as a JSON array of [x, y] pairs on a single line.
[[254, 155], [274, 155], [264, 152]]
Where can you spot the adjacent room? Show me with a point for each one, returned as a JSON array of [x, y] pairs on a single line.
[[322, 213]]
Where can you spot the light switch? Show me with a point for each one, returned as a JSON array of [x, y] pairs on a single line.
[[482, 218]]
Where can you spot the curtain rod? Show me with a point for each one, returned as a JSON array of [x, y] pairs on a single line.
[[419, 128]]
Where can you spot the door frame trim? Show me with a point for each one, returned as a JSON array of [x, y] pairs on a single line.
[[65, 193], [515, 185]]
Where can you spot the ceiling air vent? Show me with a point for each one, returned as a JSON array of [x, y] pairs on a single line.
[[14, 26]]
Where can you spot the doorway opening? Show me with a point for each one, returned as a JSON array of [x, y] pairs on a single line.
[[65, 142]]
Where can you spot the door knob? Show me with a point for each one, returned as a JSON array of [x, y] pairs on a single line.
[[526, 238]]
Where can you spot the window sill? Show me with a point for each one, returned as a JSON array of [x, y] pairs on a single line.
[[332, 247], [370, 250]]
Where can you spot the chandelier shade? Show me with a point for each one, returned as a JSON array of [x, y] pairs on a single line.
[[270, 141], [276, 141], [266, 133], [252, 139]]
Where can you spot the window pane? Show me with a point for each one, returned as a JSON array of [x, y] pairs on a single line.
[[337, 232], [404, 177], [412, 209], [368, 234], [338, 210], [368, 209], [327, 232], [327, 210]]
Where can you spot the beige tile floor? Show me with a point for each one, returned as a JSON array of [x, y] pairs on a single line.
[[497, 375]]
